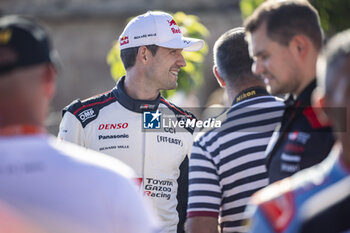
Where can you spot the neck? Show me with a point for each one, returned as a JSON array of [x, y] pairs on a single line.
[[21, 113], [21, 129], [233, 92], [346, 153], [309, 72], [137, 87], [306, 81]]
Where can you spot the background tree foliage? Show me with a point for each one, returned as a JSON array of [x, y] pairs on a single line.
[[334, 14], [190, 76], [248, 7]]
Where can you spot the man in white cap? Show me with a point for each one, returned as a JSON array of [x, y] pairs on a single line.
[[126, 122]]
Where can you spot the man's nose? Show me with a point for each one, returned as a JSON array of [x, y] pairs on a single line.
[[181, 60], [258, 67]]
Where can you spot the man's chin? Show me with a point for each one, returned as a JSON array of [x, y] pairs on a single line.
[[269, 89], [172, 87], [274, 91]]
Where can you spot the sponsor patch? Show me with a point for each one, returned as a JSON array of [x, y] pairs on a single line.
[[113, 126], [175, 30], [87, 114], [169, 140], [171, 22], [124, 40], [300, 137], [158, 188], [103, 137]]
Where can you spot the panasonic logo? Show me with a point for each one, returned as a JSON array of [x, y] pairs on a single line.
[[87, 114], [103, 137]]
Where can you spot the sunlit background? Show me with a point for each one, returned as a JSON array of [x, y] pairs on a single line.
[[85, 31]]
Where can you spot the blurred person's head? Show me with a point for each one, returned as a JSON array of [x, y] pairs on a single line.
[[13, 221], [27, 72], [284, 40], [333, 74], [232, 63]]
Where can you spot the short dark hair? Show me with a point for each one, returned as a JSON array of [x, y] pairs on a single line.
[[128, 55], [231, 56], [337, 49], [285, 19]]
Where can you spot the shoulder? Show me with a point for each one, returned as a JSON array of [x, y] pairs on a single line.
[[281, 201], [276, 203], [87, 110], [177, 110], [181, 114], [310, 114], [259, 105]]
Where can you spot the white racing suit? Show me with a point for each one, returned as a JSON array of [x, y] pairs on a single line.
[[113, 123]]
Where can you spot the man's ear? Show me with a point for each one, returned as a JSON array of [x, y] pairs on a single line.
[[143, 54], [300, 45], [318, 104], [218, 77], [49, 81]]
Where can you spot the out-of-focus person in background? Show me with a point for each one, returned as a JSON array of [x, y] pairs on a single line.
[[59, 187], [285, 38], [11, 220], [126, 121], [227, 164], [316, 199]]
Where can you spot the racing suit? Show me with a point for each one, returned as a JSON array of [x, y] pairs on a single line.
[[114, 123], [300, 141], [313, 200]]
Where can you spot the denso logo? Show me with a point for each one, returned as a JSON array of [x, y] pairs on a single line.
[[87, 114], [113, 126]]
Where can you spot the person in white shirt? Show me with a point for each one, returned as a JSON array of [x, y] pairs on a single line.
[[58, 186]]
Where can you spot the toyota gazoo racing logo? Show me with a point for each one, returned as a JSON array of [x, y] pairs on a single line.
[[87, 114], [158, 188]]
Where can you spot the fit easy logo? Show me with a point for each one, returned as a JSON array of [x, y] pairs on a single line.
[[124, 40], [152, 120], [87, 114]]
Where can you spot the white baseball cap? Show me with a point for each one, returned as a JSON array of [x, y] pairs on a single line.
[[158, 28]]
